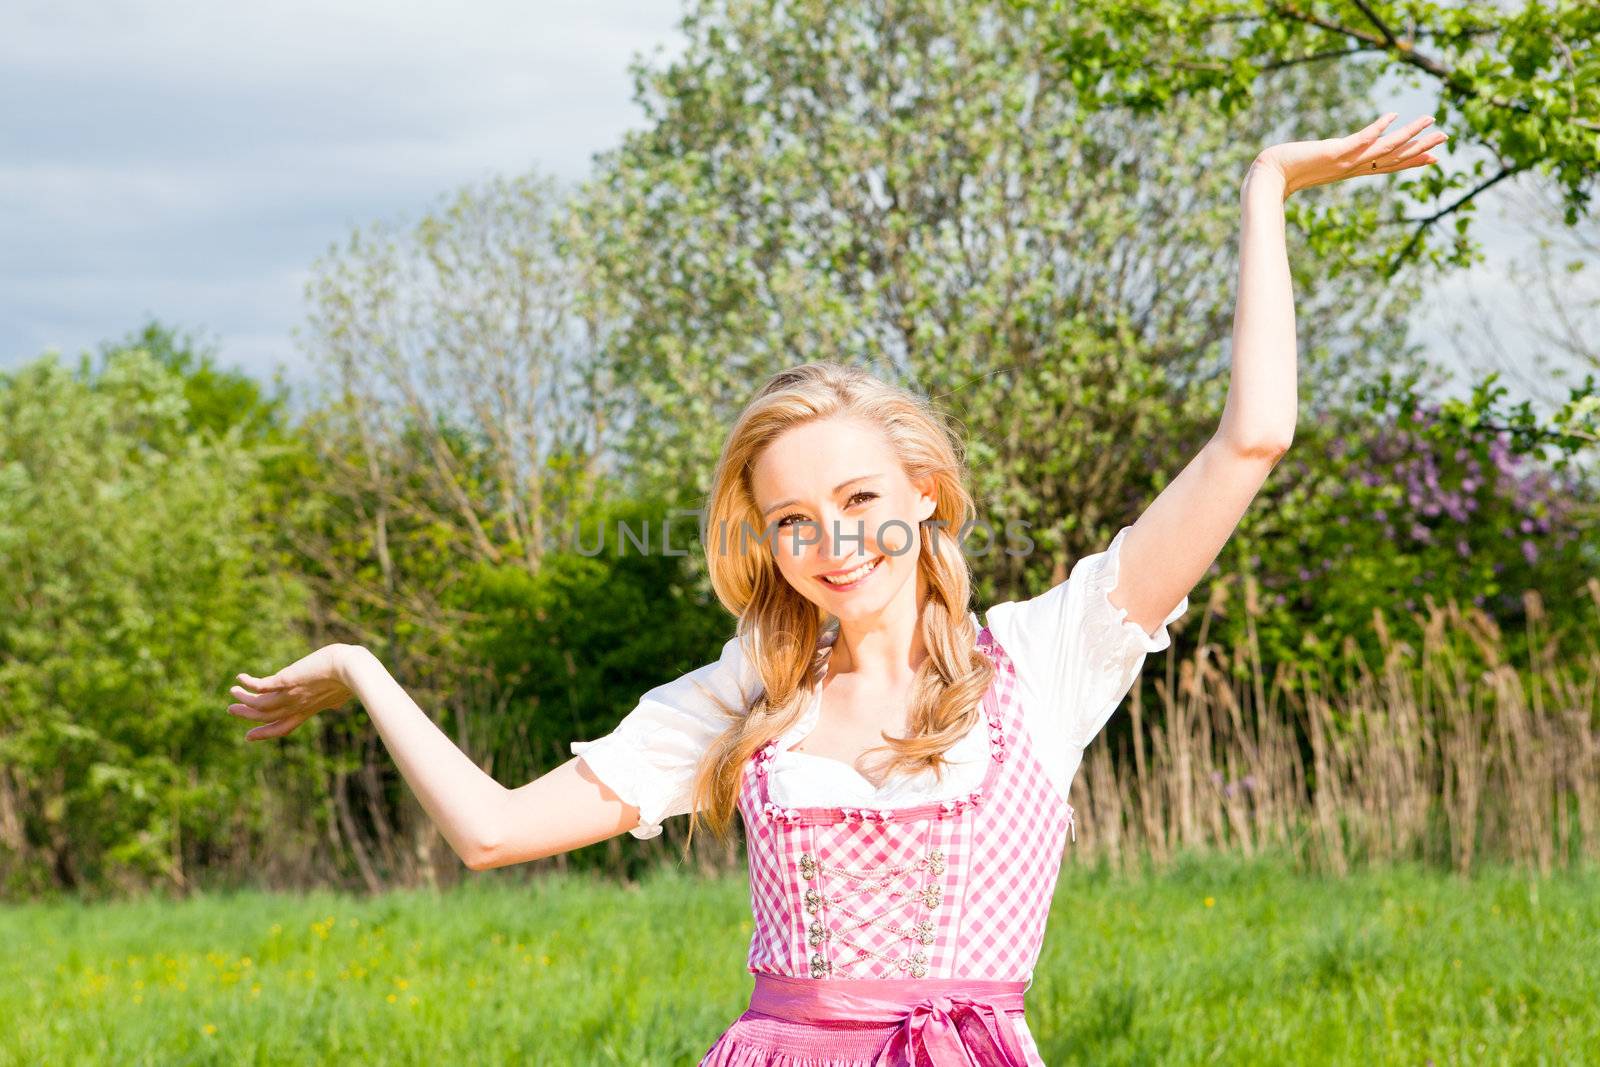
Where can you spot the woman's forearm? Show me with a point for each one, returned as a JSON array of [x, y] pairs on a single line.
[[1261, 407], [461, 799]]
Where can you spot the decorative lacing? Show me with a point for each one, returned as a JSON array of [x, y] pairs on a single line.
[[868, 882]]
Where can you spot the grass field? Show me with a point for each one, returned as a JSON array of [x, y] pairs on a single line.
[[1216, 961]]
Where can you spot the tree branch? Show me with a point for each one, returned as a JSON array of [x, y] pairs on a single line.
[[1335, 53], [1409, 54], [1423, 224]]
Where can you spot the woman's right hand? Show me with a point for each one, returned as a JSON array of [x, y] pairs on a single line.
[[289, 697]]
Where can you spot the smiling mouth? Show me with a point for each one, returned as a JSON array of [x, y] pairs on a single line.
[[854, 576]]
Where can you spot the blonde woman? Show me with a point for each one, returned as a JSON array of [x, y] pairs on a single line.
[[900, 767]]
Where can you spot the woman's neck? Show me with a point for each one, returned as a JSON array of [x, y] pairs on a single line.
[[886, 650]]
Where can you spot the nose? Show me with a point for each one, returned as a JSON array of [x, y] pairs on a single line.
[[841, 541]]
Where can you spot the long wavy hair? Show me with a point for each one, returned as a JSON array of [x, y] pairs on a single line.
[[781, 633]]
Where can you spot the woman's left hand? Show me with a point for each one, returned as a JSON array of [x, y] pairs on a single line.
[[1303, 164]]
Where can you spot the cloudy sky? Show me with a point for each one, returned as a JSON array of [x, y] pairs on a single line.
[[189, 160]]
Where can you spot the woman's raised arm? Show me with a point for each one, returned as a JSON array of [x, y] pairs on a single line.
[[1172, 544], [486, 824]]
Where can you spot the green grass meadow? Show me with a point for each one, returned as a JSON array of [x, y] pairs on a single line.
[[1219, 960]]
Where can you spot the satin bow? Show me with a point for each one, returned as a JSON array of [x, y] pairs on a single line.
[[931, 1034], [945, 1022]]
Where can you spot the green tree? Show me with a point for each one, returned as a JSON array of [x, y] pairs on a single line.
[[216, 399], [613, 612], [1519, 84], [134, 580], [458, 330], [922, 187], [458, 439]]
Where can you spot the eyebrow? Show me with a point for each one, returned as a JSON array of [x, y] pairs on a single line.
[[841, 485]]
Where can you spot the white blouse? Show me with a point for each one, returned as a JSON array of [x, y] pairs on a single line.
[[1076, 657]]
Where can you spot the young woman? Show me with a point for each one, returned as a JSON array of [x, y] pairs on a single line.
[[901, 771]]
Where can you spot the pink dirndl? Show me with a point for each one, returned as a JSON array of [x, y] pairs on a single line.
[[901, 937]]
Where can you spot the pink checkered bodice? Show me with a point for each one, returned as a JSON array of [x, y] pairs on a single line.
[[957, 888]]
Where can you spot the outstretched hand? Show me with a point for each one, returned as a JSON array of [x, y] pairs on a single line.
[[289, 697], [1306, 163]]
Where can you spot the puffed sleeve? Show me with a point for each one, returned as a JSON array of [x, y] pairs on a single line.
[[649, 759], [1075, 654]]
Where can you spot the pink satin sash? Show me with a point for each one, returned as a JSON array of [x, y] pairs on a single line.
[[949, 1022]]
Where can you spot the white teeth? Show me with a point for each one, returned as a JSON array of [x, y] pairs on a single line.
[[846, 579]]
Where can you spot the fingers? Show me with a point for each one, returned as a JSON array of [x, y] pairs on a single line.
[[270, 682], [1385, 145], [276, 729], [1394, 147], [1413, 154], [1405, 164], [244, 711], [1411, 151], [265, 705], [1372, 130], [263, 701]]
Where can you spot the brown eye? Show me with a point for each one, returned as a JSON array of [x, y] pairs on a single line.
[[850, 503]]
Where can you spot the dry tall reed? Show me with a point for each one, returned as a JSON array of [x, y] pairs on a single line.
[[1447, 754]]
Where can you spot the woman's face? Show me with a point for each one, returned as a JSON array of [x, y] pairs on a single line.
[[834, 501]]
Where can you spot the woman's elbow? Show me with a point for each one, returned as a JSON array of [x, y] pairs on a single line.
[[484, 843], [481, 859], [524, 826]]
